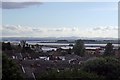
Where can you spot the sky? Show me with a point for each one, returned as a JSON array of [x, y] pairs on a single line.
[[60, 19], [60, 1]]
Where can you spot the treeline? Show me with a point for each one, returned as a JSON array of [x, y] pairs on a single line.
[[79, 49], [103, 68]]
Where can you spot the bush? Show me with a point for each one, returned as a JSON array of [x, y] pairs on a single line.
[[71, 75], [102, 68], [10, 70], [108, 67]]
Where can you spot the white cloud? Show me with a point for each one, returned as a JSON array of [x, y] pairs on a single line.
[[25, 31], [106, 31], [105, 28]]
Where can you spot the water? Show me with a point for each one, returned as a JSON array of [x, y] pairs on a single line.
[[54, 44], [66, 47], [62, 45], [67, 44], [58, 44], [48, 49]]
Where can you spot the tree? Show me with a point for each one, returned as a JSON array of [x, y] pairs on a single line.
[[119, 49], [108, 67], [10, 70], [3, 46], [79, 48], [109, 49], [9, 46], [68, 74], [6, 46]]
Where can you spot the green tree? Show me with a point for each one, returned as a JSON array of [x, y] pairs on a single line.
[[108, 67], [119, 49], [6, 46], [109, 49], [79, 48], [68, 74], [10, 70]]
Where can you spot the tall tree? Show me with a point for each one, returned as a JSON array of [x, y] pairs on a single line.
[[79, 48], [109, 49], [119, 49], [6, 46]]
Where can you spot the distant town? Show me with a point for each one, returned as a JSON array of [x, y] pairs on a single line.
[[60, 39], [36, 57]]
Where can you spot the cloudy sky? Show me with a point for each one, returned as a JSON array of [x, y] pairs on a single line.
[[60, 19]]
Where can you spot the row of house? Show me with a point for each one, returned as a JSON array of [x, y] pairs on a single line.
[[90, 51]]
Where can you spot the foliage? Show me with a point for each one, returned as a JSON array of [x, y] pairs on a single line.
[[79, 48], [10, 70], [109, 49], [119, 48], [68, 74], [103, 68], [6, 46], [108, 67]]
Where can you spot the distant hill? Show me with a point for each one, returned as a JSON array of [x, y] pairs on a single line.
[[56, 38], [66, 39]]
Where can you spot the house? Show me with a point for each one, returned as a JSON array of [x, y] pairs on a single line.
[[72, 58], [94, 51], [57, 56], [36, 48], [117, 52]]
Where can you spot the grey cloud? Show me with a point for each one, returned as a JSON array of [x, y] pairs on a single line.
[[55, 29], [67, 29], [74, 29], [10, 27], [115, 28], [37, 30], [59, 30], [18, 5], [19, 28], [96, 28], [107, 28]]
